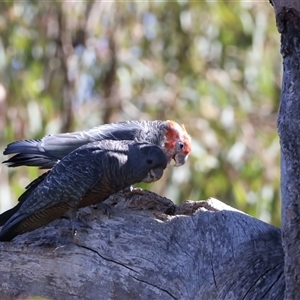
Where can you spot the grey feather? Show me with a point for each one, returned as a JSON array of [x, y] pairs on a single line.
[[86, 176]]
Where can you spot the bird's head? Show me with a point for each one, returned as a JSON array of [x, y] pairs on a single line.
[[148, 160], [177, 144]]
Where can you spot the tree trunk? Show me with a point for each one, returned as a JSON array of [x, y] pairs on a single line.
[[147, 249], [288, 24]]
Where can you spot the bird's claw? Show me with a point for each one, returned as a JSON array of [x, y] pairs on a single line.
[[105, 208], [137, 191]]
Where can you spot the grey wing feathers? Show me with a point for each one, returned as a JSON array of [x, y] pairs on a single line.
[[4, 217], [67, 182], [45, 153]]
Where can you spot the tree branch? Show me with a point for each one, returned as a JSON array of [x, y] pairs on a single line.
[[148, 249]]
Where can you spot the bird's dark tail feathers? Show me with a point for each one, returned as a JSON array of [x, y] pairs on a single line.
[[27, 154], [9, 234], [25, 146], [4, 217]]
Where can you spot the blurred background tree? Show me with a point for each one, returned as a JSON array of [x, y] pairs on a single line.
[[214, 66]]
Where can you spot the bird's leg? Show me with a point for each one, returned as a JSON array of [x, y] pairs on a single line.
[[74, 221], [131, 189], [128, 189], [135, 190], [105, 208], [76, 225]]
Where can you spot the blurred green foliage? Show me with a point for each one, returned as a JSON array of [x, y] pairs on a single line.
[[214, 66]]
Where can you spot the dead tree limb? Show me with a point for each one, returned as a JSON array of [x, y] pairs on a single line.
[[148, 249]]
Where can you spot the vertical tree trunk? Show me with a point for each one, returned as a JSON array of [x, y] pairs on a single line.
[[288, 24]]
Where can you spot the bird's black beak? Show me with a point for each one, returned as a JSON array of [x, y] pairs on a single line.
[[180, 159], [154, 175]]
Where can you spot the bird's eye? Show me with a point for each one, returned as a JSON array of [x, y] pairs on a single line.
[[149, 161], [181, 145]]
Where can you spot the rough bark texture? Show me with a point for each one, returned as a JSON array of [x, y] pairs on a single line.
[[288, 23], [147, 249]]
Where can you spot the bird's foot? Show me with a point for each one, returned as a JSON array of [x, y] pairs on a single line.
[[133, 190], [77, 223], [128, 189], [105, 208], [137, 190]]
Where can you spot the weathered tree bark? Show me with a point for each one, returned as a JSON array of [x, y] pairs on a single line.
[[148, 249], [288, 24]]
